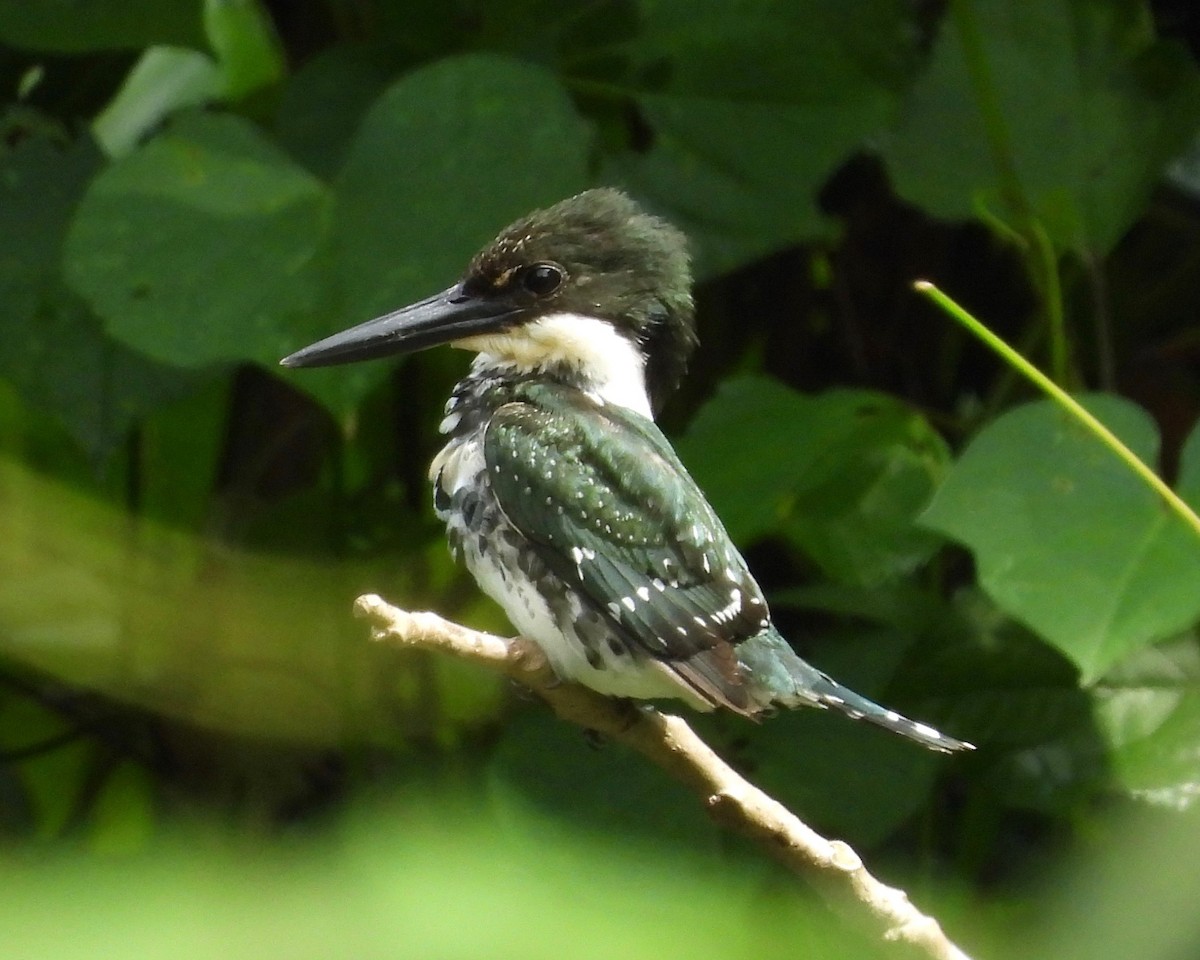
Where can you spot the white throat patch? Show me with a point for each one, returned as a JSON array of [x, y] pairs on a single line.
[[611, 368]]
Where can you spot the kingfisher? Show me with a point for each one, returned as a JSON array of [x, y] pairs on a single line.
[[564, 499]]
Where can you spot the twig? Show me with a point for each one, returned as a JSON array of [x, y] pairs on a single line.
[[666, 740]]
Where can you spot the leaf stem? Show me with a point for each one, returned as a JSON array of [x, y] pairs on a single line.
[[1052, 301], [1063, 399], [1039, 250], [999, 141]]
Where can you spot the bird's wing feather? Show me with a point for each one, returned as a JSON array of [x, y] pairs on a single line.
[[604, 500]]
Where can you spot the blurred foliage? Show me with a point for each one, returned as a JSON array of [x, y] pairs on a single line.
[[190, 189]]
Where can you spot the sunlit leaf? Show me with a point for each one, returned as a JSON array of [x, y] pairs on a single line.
[[54, 351], [199, 247], [418, 194], [1149, 707], [1092, 106], [842, 474], [1067, 539], [737, 156]]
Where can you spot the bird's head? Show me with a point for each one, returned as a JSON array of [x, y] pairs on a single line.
[[593, 287]]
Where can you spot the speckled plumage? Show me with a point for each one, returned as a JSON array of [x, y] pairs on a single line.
[[561, 495]]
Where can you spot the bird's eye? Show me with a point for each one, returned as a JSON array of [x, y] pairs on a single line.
[[542, 279]]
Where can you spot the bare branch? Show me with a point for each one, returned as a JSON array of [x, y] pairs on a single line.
[[832, 866]]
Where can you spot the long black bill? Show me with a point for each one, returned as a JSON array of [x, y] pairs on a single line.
[[446, 316]]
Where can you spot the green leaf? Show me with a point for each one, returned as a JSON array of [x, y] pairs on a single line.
[[738, 155], [199, 247], [843, 474], [323, 103], [1067, 539], [41, 181], [209, 245], [163, 81], [66, 26], [814, 761], [54, 351], [166, 80], [1077, 82], [420, 192], [1149, 708], [243, 38]]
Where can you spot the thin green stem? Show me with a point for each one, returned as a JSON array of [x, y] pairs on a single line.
[[1035, 242], [994, 125], [1063, 399], [1052, 301]]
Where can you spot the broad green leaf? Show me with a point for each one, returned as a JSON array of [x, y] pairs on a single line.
[[1184, 172], [1149, 708], [571, 38], [420, 192], [1067, 539], [843, 474], [1093, 107], [63, 363], [737, 155], [68, 26], [41, 181], [847, 779], [163, 81], [199, 247], [243, 38], [904, 606], [323, 103], [54, 351], [166, 79]]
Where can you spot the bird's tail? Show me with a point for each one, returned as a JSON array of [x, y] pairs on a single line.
[[822, 690], [805, 685]]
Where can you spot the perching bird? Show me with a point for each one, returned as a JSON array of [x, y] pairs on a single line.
[[565, 500]]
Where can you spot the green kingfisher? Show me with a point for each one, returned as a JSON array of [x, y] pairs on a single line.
[[559, 492]]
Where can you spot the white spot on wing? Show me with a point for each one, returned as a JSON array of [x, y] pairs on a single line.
[[927, 730]]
